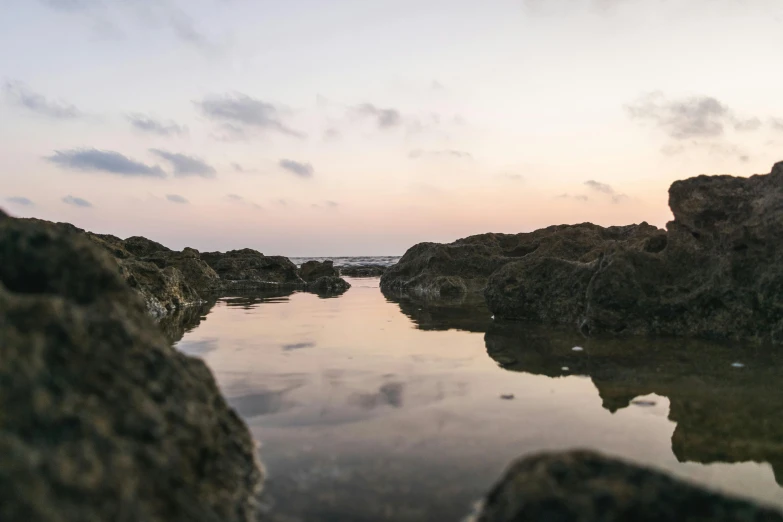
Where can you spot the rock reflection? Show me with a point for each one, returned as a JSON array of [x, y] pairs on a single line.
[[724, 413], [390, 394], [178, 323], [248, 301], [468, 313], [263, 402]]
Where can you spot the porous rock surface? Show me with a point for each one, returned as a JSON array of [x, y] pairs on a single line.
[[311, 271], [583, 486], [101, 418]]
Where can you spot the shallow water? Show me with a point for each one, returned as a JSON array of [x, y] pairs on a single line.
[[371, 408]]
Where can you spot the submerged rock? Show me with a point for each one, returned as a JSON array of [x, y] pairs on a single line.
[[313, 270], [101, 418], [716, 273], [582, 486], [328, 286]]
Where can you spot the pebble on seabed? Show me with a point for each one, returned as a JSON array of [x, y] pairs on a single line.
[[565, 368], [738, 365], [578, 349]]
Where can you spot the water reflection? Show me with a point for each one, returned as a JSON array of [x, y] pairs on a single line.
[[469, 313], [724, 412], [178, 323]]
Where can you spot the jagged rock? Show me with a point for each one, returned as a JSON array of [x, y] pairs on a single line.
[[101, 418], [362, 270], [583, 486], [252, 266], [195, 271], [163, 291], [435, 270], [718, 272], [313, 270], [141, 246], [328, 286]]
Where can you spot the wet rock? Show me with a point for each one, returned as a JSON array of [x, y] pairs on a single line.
[[176, 324], [435, 270], [101, 418], [717, 272], [313, 270], [329, 286], [163, 291], [142, 247], [251, 266], [362, 270], [582, 486]]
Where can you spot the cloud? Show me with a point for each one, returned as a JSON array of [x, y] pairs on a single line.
[[20, 95], [777, 124], [331, 134], [94, 160], [748, 125], [76, 202], [239, 168], [331, 204], [186, 165], [236, 198], [449, 153], [578, 197], [19, 200], [239, 112], [726, 150], [513, 177], [184, 29], [176, 198], [687, 118], [437, 86], [70, 5], [147, 124], [303, 170], [384, 118], [603, 188]]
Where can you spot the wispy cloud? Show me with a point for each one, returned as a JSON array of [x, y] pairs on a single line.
[[721, 149], [383, 118], [94, 160], [687, 118], [303, 170], [603, 188], [448, 153], [70, 5], [236, 198], [76, 202], [186, 165], [578, 197], [776, 124], [151, 125], [19, 200], [176, 198], [21, 95], [240, 113]]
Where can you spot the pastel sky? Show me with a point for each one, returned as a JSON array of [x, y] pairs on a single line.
[[361, 127]]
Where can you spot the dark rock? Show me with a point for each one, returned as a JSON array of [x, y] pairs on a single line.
[[312, 270], [141, 246], [719, 273], [582, 486], [101, 418], [435, 270], [252, 266], [183, 320], [163, 291], [195, 271], [362, 270], [328, 286]]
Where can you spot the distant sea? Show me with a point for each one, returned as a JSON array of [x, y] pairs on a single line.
[[351, 261]]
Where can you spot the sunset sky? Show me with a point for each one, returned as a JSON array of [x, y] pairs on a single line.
[[361, 127]]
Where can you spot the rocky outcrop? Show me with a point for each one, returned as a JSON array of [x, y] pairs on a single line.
[[583, 486], [249, 266], [718, 272], [434, 270], [313, 270], [362, 270], [329, 285], [101, 418], [195, 271]]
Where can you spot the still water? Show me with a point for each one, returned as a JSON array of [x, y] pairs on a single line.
[[378, 408]]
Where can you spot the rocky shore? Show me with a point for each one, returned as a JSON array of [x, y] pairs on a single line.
[[168, 280], [101, 418], [714, 272]]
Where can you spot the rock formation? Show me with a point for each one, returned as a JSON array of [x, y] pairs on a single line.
[[101, 418], [314, 270], [715, 272], [582, 486], [362, 270]]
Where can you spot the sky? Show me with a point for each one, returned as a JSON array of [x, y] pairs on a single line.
[[362, 127]]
